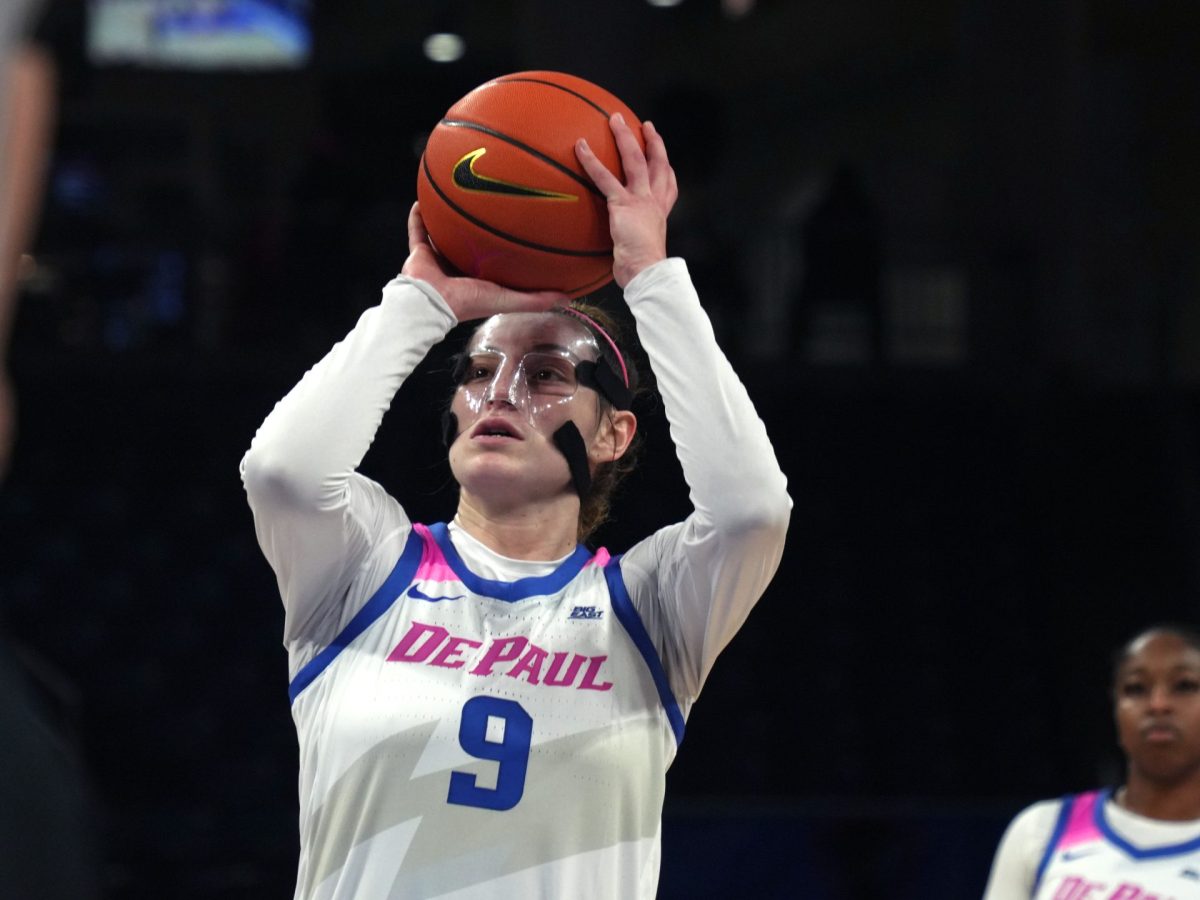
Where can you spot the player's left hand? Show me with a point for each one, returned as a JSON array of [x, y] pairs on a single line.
[[637, 209]]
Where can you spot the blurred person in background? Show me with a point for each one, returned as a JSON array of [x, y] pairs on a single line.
[[1141, 840], [27, 112], [47, 848]]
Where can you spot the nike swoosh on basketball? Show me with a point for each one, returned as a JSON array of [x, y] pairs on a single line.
[[417, 594], [467, 178]]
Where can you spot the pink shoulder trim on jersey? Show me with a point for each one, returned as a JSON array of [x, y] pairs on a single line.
[[1081, 825], [600, 558], [433, 565]]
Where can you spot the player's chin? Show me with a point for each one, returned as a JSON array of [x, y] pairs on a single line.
[[1167, 764], [495, 473], [515, 465], [475, 467]]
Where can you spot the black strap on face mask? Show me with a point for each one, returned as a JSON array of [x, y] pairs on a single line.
[[600, 377], [570, 444], [449, 427]]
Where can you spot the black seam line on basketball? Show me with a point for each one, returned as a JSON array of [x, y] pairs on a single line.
[[464, 175], [459, 123], [593, 104], [594, 283], [561, 251]]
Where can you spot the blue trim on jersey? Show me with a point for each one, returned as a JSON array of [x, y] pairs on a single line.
[[380, 602], [510, 591], [1137, 852], [1064, 813], [628, 616]]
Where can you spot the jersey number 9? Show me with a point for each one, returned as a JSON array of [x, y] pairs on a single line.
[[510, 749]]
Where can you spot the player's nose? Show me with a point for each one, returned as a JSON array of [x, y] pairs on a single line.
[[505, 384]]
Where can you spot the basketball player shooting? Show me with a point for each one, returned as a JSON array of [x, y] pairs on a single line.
[[488, 707]]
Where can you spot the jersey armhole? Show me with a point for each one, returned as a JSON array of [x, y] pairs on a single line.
[[382, 600], [1060, 826], [628, 616]]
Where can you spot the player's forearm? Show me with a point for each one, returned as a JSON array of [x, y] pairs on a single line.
[[318, 434], [27, 130], [722, 445]]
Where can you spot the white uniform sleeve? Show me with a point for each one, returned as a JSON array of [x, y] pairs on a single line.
[[1020, 852], [314, 515], [694, 583]]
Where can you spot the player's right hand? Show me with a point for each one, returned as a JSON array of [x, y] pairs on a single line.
[[468, 298]]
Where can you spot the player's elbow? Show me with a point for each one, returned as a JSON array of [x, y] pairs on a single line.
[[767, 532], [274, 480], [775, 512], [765, 512]]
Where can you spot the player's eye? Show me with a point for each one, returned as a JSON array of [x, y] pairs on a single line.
[[1187, 686], [1133, 689], [478, 369], [547, 372]]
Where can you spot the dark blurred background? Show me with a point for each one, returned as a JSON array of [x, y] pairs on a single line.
[[951, 248]]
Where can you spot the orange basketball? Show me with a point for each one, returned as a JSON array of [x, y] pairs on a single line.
[[502, 194]]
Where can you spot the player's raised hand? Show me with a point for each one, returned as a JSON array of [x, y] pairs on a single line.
[[469, 298], [637, 209]]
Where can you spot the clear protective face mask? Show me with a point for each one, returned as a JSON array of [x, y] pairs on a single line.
[[535, 382]]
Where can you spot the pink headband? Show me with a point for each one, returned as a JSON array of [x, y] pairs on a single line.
[[604, 334]]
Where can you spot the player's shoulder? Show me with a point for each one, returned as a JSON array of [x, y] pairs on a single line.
[[1034, 824], [1021, 848], [1040, 810]]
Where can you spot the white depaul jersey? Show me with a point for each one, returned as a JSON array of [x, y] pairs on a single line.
[[1086, 857], [473, 726], [1085, 847], [485, 738]]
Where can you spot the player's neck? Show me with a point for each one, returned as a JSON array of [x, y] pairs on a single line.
[[532, 531], [1178, 801]]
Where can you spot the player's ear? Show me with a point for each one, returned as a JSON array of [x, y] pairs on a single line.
[[613, 437]]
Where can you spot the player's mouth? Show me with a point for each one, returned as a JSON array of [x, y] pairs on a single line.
[[1160, 733], [496, 429]]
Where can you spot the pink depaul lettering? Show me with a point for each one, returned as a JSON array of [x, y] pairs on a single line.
[[514, 657], [1076, 888]]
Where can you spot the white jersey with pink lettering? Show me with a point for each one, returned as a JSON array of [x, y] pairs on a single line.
[[473, 726], [1087, 846], [473, 732]]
